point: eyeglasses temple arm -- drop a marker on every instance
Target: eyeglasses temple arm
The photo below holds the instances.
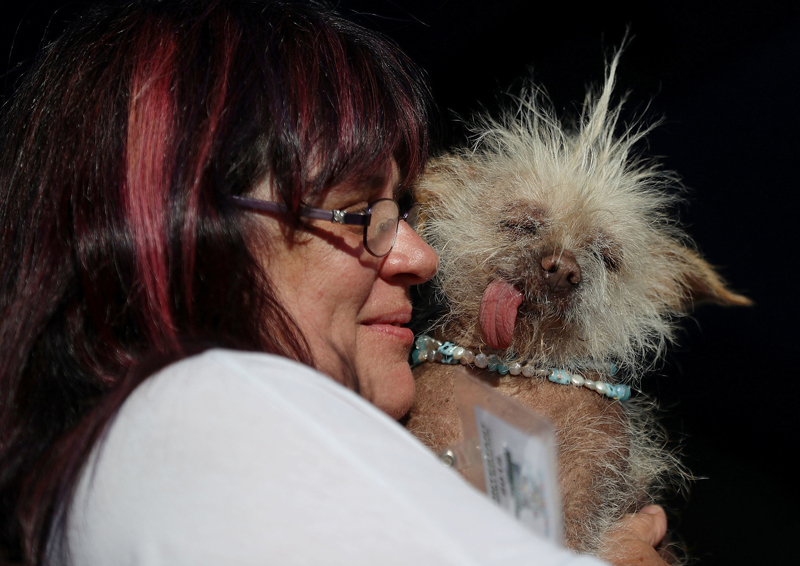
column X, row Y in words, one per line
column 255, row 204
column 337, row 216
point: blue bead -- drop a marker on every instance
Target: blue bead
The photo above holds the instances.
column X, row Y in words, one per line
column 560, row 376
column 447, row 348
column 502, row 369
column 617, row 392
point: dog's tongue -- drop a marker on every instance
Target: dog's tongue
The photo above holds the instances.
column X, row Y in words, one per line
column 499, row 313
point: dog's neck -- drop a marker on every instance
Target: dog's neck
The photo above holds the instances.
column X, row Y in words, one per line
column 429, row 349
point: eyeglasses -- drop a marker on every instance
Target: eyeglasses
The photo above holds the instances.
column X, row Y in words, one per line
column 380, row 221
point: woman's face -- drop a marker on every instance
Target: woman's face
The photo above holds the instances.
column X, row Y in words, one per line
column 350, row 305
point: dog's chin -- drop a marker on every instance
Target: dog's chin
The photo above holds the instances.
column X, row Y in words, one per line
column 551, row 310
column 540, row 335
column 551, row 342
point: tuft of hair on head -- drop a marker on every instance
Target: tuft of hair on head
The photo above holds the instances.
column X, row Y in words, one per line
column 532, row 184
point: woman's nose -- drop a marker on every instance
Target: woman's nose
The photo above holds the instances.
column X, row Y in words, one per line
column 411, row 256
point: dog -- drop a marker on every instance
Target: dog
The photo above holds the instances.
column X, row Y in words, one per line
column 559, row 257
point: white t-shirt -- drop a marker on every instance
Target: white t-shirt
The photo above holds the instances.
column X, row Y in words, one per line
column 234, row 458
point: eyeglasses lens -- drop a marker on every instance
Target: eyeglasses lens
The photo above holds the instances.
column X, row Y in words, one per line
column 382, row 228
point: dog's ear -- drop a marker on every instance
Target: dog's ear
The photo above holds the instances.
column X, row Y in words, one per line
column 697, row 282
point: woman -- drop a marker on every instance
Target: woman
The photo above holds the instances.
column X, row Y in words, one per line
column 160, row 170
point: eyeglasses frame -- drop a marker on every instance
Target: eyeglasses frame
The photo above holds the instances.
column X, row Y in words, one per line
column 336, row 216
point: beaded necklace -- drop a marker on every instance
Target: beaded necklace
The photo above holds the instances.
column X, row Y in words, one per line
column 428, row 349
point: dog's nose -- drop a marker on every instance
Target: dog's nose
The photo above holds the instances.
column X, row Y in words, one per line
column 562, row 271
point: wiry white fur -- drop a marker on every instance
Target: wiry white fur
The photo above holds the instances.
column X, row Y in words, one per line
column 586, row 190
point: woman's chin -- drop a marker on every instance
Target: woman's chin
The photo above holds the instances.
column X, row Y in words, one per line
column 393, row 393
column 384, row 375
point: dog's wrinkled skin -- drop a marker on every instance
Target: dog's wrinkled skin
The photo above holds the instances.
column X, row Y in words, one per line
column 556, row 248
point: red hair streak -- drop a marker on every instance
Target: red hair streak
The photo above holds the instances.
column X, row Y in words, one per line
column 149, row 153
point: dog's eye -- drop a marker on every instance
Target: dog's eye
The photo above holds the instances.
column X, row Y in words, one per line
column 612, row 262
column 609, row 254
column 527, row 227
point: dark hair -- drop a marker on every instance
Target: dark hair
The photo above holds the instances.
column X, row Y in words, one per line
column 117, row 252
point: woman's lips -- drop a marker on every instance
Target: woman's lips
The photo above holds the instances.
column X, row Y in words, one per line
column 399, row 332
column 392, row 326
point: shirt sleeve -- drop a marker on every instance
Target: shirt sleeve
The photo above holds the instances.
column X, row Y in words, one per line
column 231, row 458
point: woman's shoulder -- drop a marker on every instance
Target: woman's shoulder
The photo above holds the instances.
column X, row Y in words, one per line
column 228, row 370
column 227, row 454
column 219, row 384
column 231, row 401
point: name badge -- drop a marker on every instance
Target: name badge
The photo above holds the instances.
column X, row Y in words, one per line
column 509, row 453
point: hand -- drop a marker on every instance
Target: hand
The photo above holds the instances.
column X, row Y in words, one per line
column 634, row 541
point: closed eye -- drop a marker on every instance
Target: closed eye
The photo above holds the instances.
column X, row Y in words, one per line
column 527, row 227
column 611, row 256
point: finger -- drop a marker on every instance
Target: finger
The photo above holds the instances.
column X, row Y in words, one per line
column 635, row 539
column 649, row 525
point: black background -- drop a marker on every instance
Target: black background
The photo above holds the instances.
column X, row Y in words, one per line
column 725, row 76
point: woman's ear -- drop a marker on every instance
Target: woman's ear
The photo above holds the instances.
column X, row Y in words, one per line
column 698, row 282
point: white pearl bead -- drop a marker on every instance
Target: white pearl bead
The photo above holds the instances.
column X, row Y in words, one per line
column 527, row 371
column 589, row 384
column 481, row 361
column 469, row 357
column 458, row 353
column 515, row 369
column 577, row 379
column 422, row 355
column 601, row 387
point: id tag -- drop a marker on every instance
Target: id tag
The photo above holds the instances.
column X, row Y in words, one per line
column 510, row 453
